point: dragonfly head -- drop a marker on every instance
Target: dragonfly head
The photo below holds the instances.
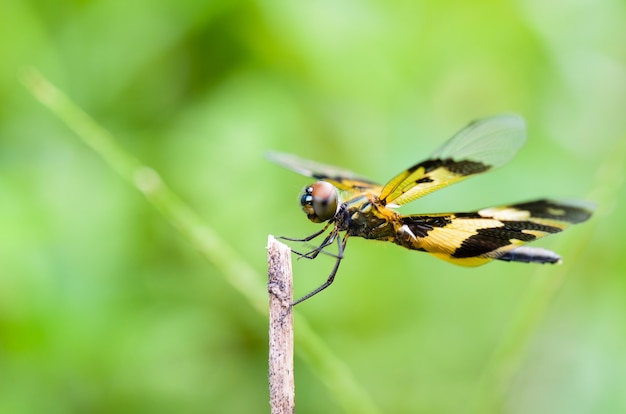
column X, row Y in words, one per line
column 320, row 201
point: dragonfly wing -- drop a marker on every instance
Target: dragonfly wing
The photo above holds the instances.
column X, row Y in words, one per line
column 339, row 177
column 482, row 145
column 475, row 238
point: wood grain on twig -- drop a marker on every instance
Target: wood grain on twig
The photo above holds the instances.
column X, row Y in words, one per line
column 280, row 290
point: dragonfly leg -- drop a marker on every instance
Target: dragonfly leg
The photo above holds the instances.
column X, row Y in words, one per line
column 341, row 245
column 308, row 238
column 309, row 254
column 313, row 253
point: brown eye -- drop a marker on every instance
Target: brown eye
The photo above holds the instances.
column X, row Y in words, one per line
column 319, row 201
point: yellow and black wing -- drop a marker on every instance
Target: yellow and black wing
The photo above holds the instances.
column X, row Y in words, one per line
column 339, row 177
column 475, row 238
column 482, row 145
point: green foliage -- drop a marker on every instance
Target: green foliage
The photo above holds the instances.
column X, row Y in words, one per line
column 107, row 306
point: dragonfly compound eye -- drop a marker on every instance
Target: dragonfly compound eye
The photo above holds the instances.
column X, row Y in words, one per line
column 319, row 201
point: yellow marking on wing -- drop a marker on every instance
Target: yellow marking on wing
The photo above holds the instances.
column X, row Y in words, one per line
column 351, row 184
column 505, row 213
column 556, row 211
column 537, row 233
column 406, row 187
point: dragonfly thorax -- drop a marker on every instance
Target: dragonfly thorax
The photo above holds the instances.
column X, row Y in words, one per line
column 320, row 201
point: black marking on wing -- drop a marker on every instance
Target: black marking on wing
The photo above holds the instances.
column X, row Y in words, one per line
column 421, row 225
column 463, row 167
column 553, row 210
column 424, row 180
column 490, row 239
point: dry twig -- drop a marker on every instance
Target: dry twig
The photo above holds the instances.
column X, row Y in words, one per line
column 280, row 289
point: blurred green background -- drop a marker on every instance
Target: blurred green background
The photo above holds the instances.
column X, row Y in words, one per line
column 106, row 307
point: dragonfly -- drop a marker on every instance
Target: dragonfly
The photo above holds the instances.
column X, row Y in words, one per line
column 354, row 206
